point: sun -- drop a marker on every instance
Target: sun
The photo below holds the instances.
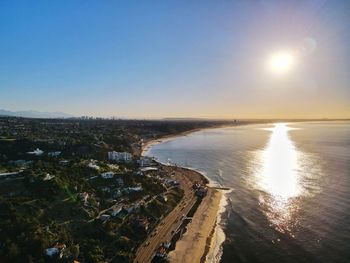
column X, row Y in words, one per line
column 281, row 62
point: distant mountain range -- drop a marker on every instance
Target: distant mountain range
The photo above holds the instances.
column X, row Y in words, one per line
column 35, row 114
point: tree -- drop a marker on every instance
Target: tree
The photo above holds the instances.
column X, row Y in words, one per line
column 75, row 251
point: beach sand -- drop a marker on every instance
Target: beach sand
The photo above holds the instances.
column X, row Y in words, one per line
column 194, row 244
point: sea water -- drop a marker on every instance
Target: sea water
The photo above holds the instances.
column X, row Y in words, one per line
column 290, row 188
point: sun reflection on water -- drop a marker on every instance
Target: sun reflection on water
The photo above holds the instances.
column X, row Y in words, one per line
column 279, row 174
column 279, row 179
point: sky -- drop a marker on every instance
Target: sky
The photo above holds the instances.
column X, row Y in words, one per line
column 155, row 59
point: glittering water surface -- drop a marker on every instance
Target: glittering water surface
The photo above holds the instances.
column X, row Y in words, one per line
column 291, row 188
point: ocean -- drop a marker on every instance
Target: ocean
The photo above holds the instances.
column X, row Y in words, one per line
column 290, row 188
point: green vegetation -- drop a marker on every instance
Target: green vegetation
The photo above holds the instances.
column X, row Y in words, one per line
column 60, row 200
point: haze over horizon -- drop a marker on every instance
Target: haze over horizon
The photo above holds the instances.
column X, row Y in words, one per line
column 181, row 59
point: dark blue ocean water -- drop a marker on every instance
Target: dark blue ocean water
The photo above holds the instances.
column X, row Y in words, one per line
column 290, row 198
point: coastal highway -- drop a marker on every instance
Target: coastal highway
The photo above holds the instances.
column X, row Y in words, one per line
column 163, row 231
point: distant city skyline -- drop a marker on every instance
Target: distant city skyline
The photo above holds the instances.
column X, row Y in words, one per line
column 176, row 59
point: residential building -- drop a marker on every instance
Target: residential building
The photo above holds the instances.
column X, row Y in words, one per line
column 54, row 154
column 119, row 156
column 56, row 250
column 145, row 161
column 93, row 166
column 36, row 152
column 107, row 175
column 135, row 189
column 104, row 217
column 120, row 182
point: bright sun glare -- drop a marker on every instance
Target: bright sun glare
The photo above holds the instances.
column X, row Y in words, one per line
column 281, row 62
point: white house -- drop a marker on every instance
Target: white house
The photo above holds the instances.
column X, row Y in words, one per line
column 119, row 156
column 48, row 177
column 93, row 166
column 36, row 152
column 107, row 175
column 135, row 189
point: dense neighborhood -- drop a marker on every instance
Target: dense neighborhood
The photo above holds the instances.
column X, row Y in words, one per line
column 79, row 189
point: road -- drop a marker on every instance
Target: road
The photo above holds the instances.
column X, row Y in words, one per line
column 163, row 232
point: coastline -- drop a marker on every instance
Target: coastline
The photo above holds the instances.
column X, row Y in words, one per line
column 203, row 237
column 195, row 244
column 150, row 142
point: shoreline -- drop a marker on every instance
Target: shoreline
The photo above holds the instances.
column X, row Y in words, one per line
column 150, row 142
column 197, row 243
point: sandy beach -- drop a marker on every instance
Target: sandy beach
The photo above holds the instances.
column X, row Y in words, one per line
column 195, row 243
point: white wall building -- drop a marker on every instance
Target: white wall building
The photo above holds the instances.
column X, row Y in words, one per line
column 93, row 166
column 119, row 156
column 36, row 152
column 107, row 175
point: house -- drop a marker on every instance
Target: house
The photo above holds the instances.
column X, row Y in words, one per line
column 107, row 175
column 163, row 198
column 64, row 162
column 120, row 182
column 140, row 173
column 36, row 152
column 142, row 222
column 161, row 252
column 147, row 169
column 21, row 162
column 104, row 217
column 85, row 197
column 119, row 156
column 117, row 193
column 117, row 209
column 48, row 177
column 145, row 161
column 135, row 189
column 113, row 166
column 93, row 166
column 54, row 154
column 172, row 183
column 128, row 208
column 56, row 250
column 202, row 191
column 196, row 186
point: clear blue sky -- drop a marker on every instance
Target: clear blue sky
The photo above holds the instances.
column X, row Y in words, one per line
column 174, row 58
